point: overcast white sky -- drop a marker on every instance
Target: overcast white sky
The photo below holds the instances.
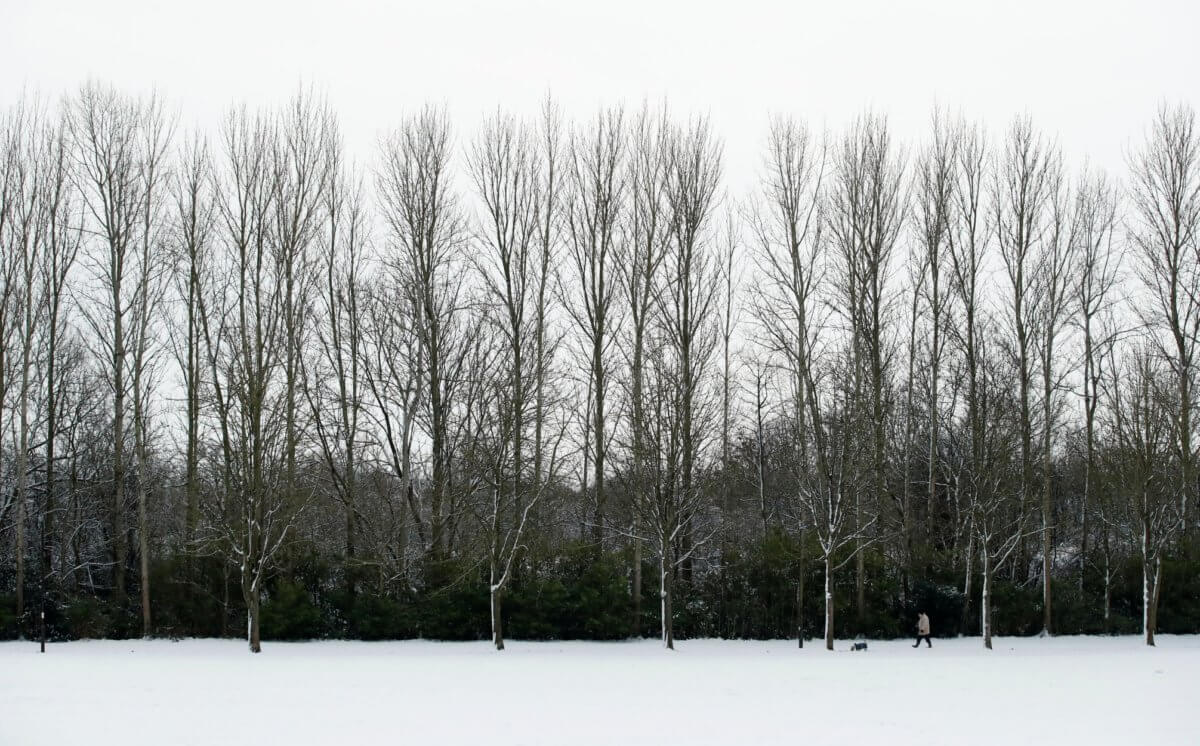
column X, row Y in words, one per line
column 1090, row 72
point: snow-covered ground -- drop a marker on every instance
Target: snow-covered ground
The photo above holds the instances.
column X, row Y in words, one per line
column 1090, row 691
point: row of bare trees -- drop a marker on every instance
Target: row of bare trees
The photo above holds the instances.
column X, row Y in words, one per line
column 227, row 346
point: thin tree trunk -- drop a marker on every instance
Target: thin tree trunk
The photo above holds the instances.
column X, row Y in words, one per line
column 144, row 547
column 828, row 604
column 118, row 431
column 664, row 592
column 192, row 376
column 639, row 476
column 636, row 591
column 931, row 506
column 253, row 614
column 966, row 610
column 1152, row 615
column 985, row 603
column 1047, row 518
column 909, row 425
column 800, row 595
column 497, row 623
column 51, row 427
column 225, row 630
column 19, row 519
column 860, row 568
column 1147, row 591
column 1107, row 585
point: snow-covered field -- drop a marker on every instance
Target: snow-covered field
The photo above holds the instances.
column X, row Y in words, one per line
column 1090, row 691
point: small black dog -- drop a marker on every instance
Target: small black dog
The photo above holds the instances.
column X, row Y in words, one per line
column 859, row 646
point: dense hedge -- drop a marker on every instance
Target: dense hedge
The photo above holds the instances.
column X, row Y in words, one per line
column 582, row 593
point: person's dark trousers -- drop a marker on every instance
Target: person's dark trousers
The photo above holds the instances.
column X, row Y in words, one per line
column 925, row 638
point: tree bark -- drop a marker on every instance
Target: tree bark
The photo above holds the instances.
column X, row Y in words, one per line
column 253, row 613
column 497, row 619
column 985, row 601
column 828, row 603
column 664, row 592
column 800, row 594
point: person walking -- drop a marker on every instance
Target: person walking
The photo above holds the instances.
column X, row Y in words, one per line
column 922, row 630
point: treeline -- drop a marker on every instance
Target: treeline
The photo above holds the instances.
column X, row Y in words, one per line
column 551, row 377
